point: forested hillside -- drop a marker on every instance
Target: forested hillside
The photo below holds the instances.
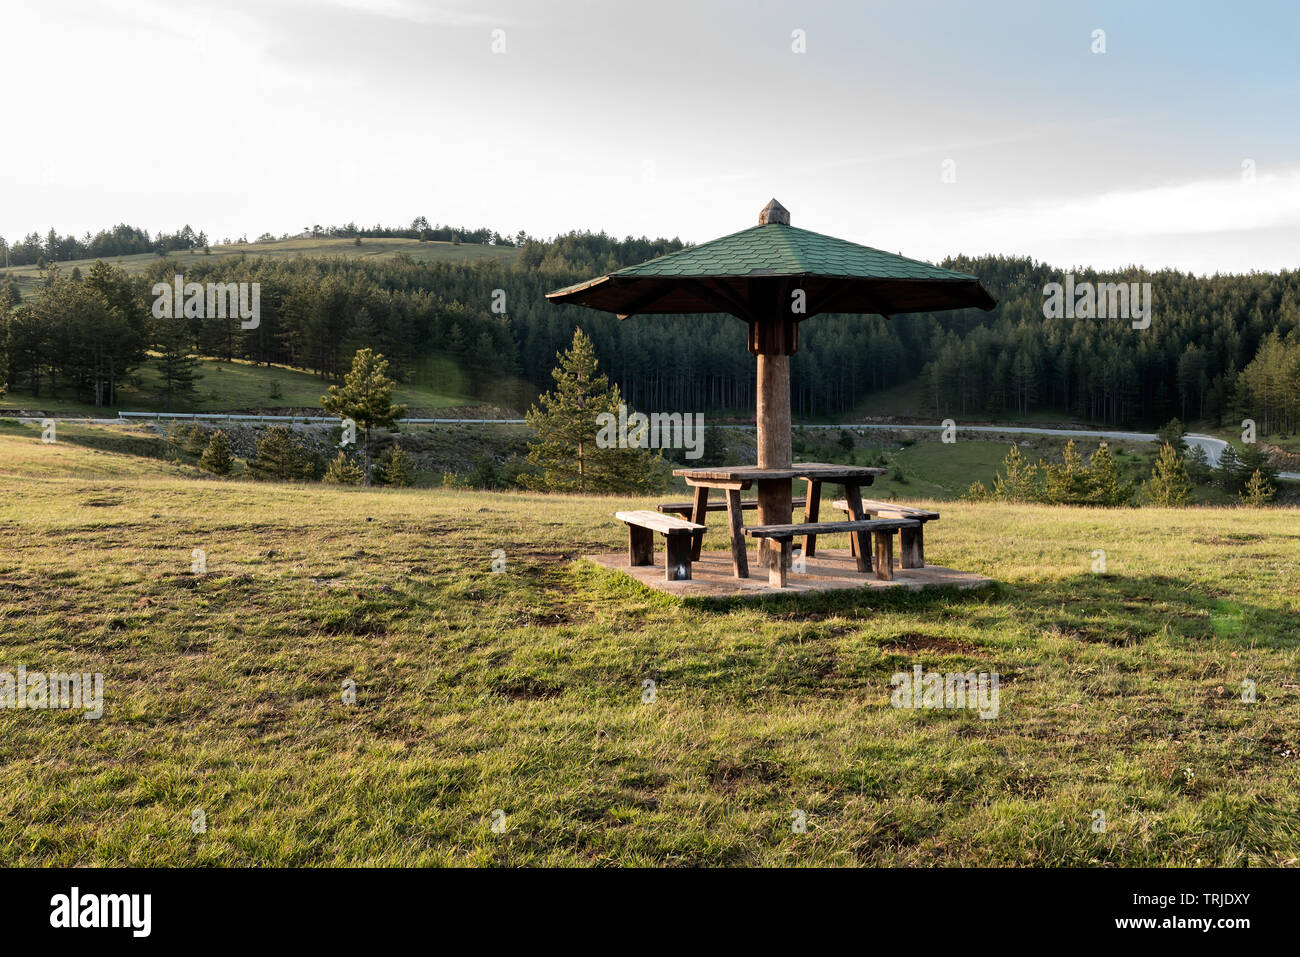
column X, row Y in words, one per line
column 487, row 326
column 124, row 240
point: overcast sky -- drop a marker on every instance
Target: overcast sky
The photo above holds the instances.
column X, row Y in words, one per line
column 669, row 118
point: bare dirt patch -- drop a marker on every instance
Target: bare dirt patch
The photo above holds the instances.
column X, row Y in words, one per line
column 914, row 641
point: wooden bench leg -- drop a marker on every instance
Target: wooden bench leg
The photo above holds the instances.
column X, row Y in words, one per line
column 884, row 556
column 677, row 563
column 776, row 569
column 700, row 516
column 810, row 511
column 735, row 519
column 640, row 545
column 911, row 547
column 862, row 542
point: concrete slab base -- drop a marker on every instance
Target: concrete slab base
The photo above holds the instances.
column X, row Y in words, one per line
column 831, row 569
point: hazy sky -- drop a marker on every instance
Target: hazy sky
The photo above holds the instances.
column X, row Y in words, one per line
column 669, row 118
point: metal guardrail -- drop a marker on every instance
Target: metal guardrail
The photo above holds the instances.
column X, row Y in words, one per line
column 305, row 419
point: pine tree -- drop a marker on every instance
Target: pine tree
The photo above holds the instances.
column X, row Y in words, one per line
column 395, row 468
column 1021, row 482
column 1069, row 483
column 279, row 456
column 1255, row 459
column 177, row 368
column 1198, row 464
column 1259, row 491
column 565, row 450
column 1172, row 433
column 1228, row 472
column 343, row 470
column 366, row 397
column 216, row 457
column 1168, row 486
column 1107, row 487
column 195, row 440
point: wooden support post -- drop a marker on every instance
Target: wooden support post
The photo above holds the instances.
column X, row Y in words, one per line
column 640, row 545
column 862, row 543
column 884, row 555
column 735, row 520
column 700, row 516
column 774, row 413
column 774, row 447
column 774, row 501
column 677, row 565
column 911, row 545
column 776, row 569
column 810, row 511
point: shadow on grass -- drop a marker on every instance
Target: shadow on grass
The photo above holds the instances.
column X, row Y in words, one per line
column 99, row 439
column 1127, row 610
column 1097, row 609
column 845, row 601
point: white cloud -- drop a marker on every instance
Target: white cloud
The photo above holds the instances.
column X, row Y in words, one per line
column 413, row 11
column 1203, row 206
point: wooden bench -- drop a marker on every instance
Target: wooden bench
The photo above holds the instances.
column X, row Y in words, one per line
column 882, row 530
column 698, row 510
column 686, row 508
column 677, row 532
column 911, row 539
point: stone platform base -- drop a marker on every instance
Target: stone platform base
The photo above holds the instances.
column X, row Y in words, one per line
column 831, row 569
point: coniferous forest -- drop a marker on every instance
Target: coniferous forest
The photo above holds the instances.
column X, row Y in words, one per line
column 1216, row 346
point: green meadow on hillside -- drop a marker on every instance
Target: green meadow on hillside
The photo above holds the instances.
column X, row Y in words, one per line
column 28, row 276
column 518, row 698
column 237, row 386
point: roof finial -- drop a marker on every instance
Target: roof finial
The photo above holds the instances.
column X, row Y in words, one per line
column 774, row 212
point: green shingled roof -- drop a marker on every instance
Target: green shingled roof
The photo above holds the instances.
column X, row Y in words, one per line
column 752, row 274
column 778, row 250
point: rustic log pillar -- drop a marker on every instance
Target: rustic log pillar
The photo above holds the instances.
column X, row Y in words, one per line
column 773, row 338
column 775, row 499
column 774, row 414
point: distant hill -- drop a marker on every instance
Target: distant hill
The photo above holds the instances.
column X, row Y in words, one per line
column 28, row 276
column 238, row 386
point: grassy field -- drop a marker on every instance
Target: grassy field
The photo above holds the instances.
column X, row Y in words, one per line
column 909, row 400
column 29, row 276
column 236, row 386
column 522, row 692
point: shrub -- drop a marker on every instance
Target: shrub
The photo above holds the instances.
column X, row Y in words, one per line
column 514, row 472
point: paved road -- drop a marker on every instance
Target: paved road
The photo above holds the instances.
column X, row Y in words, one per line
column 1213, row 447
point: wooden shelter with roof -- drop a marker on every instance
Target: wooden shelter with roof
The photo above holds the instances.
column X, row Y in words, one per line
column 774, row 276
